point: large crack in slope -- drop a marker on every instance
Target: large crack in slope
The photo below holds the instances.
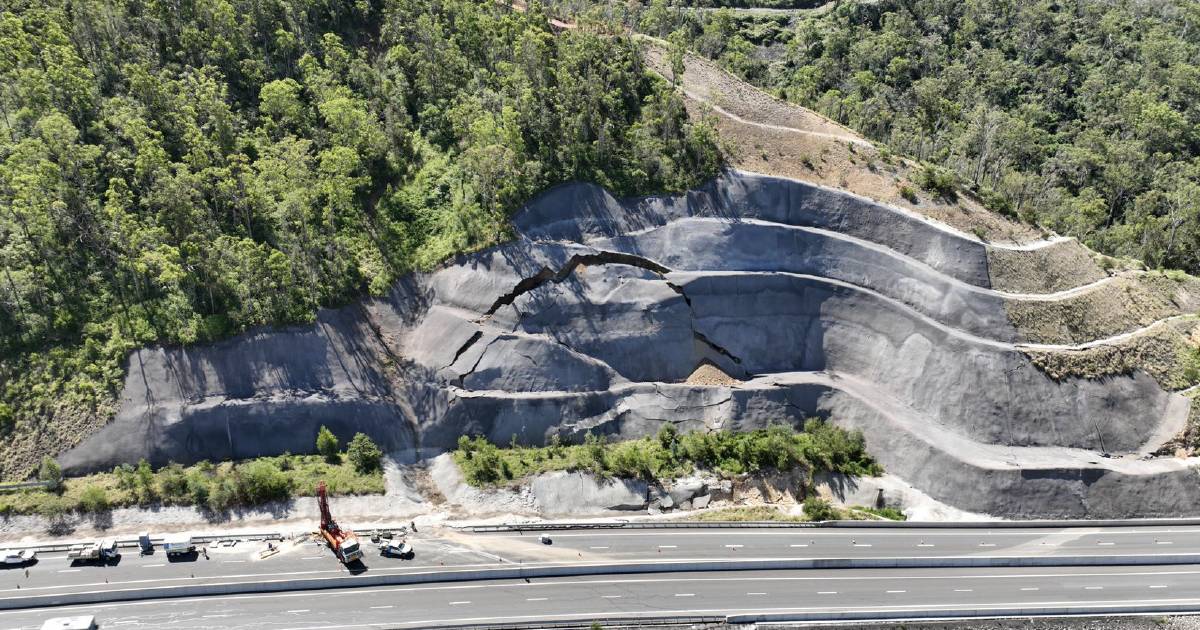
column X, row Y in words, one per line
column 600, row 257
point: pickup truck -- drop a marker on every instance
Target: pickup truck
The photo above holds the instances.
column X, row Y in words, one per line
column 178, row 544
column 18, row 556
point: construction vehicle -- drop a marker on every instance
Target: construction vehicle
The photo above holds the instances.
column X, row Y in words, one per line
column 343, row 542
column 18, row 557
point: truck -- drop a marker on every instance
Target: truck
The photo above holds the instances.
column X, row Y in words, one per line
column 82, row 622
column 178, row 545
column 98, row 550
column 343, row 542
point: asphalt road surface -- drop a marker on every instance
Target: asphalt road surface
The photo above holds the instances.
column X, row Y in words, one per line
column 447, row 550
column 944, row 590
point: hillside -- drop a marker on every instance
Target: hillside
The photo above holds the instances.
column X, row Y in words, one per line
column 995, row 367
column 181, row 175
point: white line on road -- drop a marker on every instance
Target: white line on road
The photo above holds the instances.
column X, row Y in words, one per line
column 151, row 566
column 1029, row 588
column 459, row 603
column 862, row 544
column 1093, row 588
column 535, row 599
column 1163, row 542
column 964, row 590
column 668, row 546
column 826, row 592
column 597, row 547
column 983, row 544
column 1158, row 586
column 70, row 570
column 685, row 594
column 1106, row 544
column 925, row 545
column 382, row 607
column 797, row 545
column 611, row 596
column 756, row 593
column 312, row 557
column 735, row 546
column 299, row 610
column 897, row 591
column 232, row 561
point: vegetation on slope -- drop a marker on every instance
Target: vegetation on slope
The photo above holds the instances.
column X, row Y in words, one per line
column 820, row 446
column 213, row 487
column 182, row 172
column 1079, row 115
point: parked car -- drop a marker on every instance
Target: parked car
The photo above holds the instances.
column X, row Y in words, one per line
column 396, row 549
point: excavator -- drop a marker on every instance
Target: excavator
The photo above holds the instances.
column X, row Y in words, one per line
column 343, row 542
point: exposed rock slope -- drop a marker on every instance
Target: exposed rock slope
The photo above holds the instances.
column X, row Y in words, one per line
column 817, row 302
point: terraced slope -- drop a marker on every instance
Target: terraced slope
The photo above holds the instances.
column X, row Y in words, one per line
column 819, row 302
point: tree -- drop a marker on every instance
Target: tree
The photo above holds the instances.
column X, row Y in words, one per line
column 327, row 444
column 817, row 509
column 364, row 454
column 93, row 499
column 51, row 473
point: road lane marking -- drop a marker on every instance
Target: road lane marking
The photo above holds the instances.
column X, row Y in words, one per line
column 535, row 599
column 151, row 566
column 611, row 596
column 668, row 546
column 312, row 557
column 70, row 570
column 685, row 594
column 1106, row 543
column 862, row 544
column 925, row 545
column 797, row 545
column 597, row 547
column 897, row 591
column 986, row 544
column 459, row 603
column 299, row 610
column 1163, row 542
column 826, row 592
column 1158, row 586
column 964, row 590
column 381, row 607
column 735, row 546
column 232, row 561
column 756, row 593
column 1093, row 588
column 1029, row 588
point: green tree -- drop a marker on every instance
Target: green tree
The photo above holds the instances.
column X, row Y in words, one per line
column 364, row 454
column 327, row 444
column 51, row 474
column 93, row 499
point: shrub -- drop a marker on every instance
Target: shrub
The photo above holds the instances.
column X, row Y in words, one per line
column 327, row 444
column 93, row 499
column 364, row 454
column 817, row 509
column 909, row 194
column 938, row 181
column 51, row 473
column 173, row 483
column 261, row 481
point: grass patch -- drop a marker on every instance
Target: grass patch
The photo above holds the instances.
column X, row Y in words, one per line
column 824, row 512
column 820, row 446
column 746, row 513
column 215, row 487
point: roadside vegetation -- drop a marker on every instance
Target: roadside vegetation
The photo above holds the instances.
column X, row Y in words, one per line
column 181, row 173
column 815, row 509
column 819, row 447
column 215, row 487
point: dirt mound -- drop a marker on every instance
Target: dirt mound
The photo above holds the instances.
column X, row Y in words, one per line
column 710, row 375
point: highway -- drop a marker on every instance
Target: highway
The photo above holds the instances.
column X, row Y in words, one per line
column 733, row 592
column 909, row 591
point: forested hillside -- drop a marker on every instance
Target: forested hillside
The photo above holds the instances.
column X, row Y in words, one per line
column 1079, row 115
column 181, row 171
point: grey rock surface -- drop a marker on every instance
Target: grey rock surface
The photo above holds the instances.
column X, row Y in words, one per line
column 563, row 492
column 823, row 304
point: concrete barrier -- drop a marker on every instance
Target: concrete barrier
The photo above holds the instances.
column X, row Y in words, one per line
column 977, row 612
column 552, row 571
column 884, row 524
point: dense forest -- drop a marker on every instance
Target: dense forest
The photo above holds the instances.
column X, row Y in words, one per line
column 180, row 171
column 1078, row 115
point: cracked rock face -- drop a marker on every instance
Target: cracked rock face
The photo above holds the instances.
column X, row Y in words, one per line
column 821, row 303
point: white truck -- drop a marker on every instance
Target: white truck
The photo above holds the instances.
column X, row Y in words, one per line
column 82, row 622
column 99, row 550
column 178, row 545
column 18, row 556
column 398, row 548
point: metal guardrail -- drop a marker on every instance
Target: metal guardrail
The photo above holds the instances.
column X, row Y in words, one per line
column 884, row 524
column 606, row 622
column 22, row 485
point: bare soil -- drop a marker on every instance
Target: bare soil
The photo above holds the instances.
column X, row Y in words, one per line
column 710, row 375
